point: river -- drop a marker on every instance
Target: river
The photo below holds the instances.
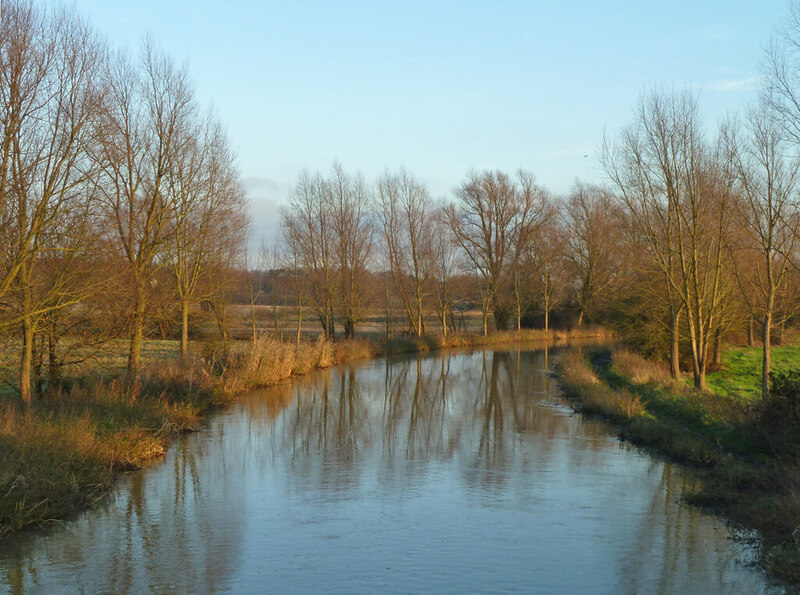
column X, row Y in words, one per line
column 452, row 472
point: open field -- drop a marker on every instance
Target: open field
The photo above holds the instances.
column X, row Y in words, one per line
column 741, row 373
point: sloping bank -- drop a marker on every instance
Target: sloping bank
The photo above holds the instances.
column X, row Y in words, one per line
column 64, row 452
column 745, row 456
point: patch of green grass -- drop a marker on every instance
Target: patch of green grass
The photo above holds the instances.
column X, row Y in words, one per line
column 740, row 377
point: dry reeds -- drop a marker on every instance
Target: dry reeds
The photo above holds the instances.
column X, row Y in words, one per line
column 593, row 396
column 637, row 369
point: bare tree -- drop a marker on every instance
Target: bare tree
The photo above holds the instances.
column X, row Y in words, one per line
column 405, row 211
column 593, row 233
column 50, row 95
column 492, row 216
column 148, row 110
column 329, row 224
column 676, row 195
column 207, row 211
column 445, row 265
column 293, row 255
column 350, row 209
column 530, row 222
column 766, row 183
column 545, row 263
column 309, row 228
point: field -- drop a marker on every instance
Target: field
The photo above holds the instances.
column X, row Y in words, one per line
column 740, row 376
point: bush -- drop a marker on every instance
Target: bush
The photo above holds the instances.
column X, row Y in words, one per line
column 778, row 416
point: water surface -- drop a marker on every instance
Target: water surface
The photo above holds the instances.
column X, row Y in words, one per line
column 448, row 473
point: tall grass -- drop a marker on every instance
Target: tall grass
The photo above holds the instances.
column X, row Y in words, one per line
column 266, row 361
column 639, row 370
column 592, row 396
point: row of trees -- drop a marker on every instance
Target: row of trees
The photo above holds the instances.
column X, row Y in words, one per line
column 692, row 238
column 110, row 177
column 694, row 235
column 505, row 245
column 116, row 189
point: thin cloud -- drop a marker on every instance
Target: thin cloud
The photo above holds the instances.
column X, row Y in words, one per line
column 735, row 85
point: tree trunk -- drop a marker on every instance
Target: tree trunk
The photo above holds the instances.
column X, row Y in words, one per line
column 349, row 328
column 501, row 316
column 53, row 366
column 750, row 337
column 718, row 347
column 38, row 364
column 26, row 360
column 184, row 330
column 299, row 320
column 137, row 334
column 222, row 322
column 675, row 344
column 766, row 362
column 580, row 319
column 700, row 378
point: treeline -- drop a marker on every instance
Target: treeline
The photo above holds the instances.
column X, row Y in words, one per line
column 504, row 245
column 115, row 187
column 693, row 236
column 120, row 206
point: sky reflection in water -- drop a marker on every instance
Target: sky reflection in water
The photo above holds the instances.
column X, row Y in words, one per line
column 459, row 472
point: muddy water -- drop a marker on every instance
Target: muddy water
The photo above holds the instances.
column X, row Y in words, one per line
column 460, row 472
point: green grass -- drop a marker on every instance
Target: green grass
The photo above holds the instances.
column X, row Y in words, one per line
column 740, row 377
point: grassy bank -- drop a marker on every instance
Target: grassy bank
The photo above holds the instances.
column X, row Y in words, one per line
column 747, row 465
column 64, row 452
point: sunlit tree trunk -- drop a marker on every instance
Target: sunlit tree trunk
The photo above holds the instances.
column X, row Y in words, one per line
column 137, row 334
column 675, row 343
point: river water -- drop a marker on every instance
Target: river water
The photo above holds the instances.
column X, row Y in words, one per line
column 445, row 473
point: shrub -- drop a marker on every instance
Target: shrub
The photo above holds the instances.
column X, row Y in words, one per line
column 778, row 415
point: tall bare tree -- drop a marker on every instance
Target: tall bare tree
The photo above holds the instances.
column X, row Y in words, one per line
column 50, row 93
column 406, row 215
column 350, row 202
column 207, row 213
column 545, row 264
column 593, row 233
column 148, row 110
column 309, row 228
column 766, row 177
column 676, row 194
column 492, row 215
column 445, row 266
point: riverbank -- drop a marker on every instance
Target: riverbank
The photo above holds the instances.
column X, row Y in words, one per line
column 64, row 452
column 742, row 450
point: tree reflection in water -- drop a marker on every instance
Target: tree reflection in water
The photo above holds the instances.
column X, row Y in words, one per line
column 452, row 471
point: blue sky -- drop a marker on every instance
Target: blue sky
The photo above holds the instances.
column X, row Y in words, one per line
column 442, row 87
